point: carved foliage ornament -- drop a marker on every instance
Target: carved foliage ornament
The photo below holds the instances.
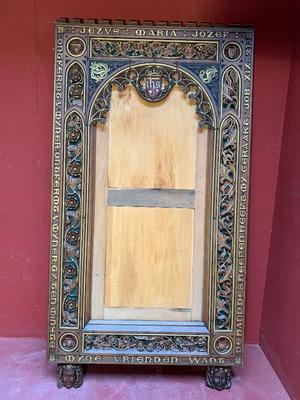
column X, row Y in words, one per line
column 99, row 71
column 74, row 131
column 146, row 343
column 231, row 90
column 153, row 49
column 75, row 86
column 153, row 83
column 226, row 219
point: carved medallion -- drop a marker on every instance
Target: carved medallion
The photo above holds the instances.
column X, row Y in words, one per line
column 76, row 47
column 68, row 342
column 223, row 345
column 232, row 51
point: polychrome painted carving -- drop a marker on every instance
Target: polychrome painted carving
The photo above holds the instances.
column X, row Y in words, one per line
column 213, row 68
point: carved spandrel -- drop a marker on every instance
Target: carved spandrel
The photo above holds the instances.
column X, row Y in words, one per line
column 154, row 82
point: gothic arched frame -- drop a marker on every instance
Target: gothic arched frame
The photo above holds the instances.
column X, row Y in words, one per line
column 203, row 54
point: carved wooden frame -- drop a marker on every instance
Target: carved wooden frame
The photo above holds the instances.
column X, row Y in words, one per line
column 214, row 66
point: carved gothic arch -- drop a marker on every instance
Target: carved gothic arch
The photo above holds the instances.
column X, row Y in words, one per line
column 172, row 75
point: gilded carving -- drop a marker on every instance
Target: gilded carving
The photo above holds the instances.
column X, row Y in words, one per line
column 208, row 74
column 232, row 51
column 76, row 47
column 152, row 49
column 153, row 83
column 187, row 56
column 75, row 85
column 68, row 342
column 146, row 343
column 222, row 345
column 226, row 220
column 70, row 277
column 231, row 88
column 99, row 71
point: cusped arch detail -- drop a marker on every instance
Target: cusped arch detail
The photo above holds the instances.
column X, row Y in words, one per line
column 231, row 90
column 169, row 76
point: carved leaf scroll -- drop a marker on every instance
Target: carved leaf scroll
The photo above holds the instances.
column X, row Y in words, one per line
column 231, row 90
column 146, row 343
column 73, row 187
column 152, row 49
column 75, row 86
column 226, row 219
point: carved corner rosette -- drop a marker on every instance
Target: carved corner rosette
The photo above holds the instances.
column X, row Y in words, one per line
column 146, row 343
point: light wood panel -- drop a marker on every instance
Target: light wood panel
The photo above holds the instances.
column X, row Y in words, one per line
column 148, row 257
column 152, row 145
column 99, row 231
column 145, row 313
column 200, row 223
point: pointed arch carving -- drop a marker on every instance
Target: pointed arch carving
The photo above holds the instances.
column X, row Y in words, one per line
column 231, row 90
column 75, row 82
column 169, row 75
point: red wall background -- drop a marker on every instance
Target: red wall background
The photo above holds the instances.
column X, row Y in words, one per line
column 25, row 148
column 281, row 322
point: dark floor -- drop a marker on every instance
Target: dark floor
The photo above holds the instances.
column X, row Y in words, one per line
column 25, row 375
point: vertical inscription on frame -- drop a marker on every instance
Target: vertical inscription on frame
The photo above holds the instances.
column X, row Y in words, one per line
column 241, row 248
column 56, row 194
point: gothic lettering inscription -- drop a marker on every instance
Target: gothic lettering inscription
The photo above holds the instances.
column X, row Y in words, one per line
column 56, row 194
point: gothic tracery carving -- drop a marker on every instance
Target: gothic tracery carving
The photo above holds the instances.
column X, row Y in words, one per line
column 169, row 77
column 231, row 90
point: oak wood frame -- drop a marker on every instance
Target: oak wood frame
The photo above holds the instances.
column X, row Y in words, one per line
column 225, row 76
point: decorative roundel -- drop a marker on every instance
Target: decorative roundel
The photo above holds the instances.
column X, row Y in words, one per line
column 232, row 51
column 68, row 342
column 76, row 47
column 223, row 345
